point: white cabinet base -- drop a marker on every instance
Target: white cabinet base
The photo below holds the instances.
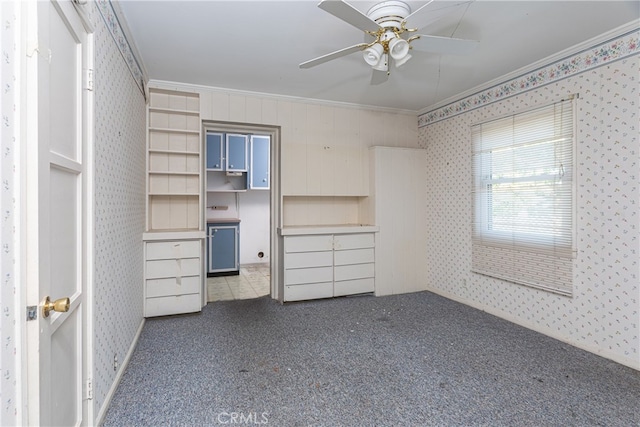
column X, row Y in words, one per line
column 352, row 287
column 328, row 265
column 308, row 291
column 173, row 276
column 176, row 304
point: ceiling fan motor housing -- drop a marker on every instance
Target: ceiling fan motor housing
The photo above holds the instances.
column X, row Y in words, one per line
column 389, row 14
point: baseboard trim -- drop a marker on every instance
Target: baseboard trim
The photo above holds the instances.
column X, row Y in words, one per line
column 631, row 363
column 116, row 381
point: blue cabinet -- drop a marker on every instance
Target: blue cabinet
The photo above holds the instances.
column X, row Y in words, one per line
column 223, row 247
column 214, row 151
column 259, row 169
column 236, row 150
column 227, row 152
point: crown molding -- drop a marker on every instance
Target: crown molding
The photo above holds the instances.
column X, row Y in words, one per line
column 188, row 87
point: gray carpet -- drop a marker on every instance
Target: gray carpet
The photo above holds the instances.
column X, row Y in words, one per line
column 407, row 360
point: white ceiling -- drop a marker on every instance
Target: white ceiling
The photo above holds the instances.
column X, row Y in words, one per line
column 257, row 46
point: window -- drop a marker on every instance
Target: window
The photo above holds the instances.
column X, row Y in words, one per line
column 523, row 225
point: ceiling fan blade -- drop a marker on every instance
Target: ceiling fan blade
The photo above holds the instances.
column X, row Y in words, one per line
column 431, row 12
column 349, row 14
column 333, row 55
column 379, row 76
column 438, row 44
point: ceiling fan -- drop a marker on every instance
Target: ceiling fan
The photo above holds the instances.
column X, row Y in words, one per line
column 392, row 28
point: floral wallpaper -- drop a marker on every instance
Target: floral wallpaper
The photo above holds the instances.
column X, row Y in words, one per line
column 110, row 19
column 9, row 324
column 603, row 314
column 119, row 206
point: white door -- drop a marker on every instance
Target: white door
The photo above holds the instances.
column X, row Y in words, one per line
column 56, row 215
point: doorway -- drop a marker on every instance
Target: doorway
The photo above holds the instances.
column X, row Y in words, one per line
column 237, row 203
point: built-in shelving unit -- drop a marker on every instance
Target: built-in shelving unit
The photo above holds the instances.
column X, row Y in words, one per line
column 174, row 162
column 174, row 241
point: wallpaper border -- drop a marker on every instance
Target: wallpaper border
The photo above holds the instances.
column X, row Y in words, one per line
column 105, row 8
column 614, row 49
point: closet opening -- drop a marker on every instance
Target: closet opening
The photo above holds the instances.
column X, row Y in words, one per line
column 241, row 209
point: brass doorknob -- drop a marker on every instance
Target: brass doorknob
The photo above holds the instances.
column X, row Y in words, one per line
column 61, row 305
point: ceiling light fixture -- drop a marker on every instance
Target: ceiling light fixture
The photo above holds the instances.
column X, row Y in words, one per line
column 373, row 54
column 389, row 15
column 398, row 48
column 383, row 63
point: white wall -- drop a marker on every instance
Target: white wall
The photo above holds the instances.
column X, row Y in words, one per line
column 254, row 226
column 602, row 316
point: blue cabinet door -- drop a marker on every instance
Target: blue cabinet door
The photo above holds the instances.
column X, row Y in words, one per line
column 214, row 151
column 223, row 248
column 259, row 169
column 236, row 160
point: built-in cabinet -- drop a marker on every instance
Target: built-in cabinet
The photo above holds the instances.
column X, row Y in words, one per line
column 260, row 163
column 325, row 170
column 397, row 207
column 226, row 152
column 237, row 162
column 173, row 241
column 173, row 276
column 223, row 247
column 319, row 263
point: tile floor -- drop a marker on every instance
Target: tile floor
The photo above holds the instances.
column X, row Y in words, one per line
column 252, row 282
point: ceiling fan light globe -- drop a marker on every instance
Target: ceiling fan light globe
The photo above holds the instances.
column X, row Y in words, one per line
column 400, row 62
column 383, row 63
column 399, row 48
column 373, row 54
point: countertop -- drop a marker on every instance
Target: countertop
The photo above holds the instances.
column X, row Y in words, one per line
column 178, row 234
column 222, row 220
column 327, row 229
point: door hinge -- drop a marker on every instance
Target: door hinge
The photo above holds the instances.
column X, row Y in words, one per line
column 89, row 389
column 88, row 79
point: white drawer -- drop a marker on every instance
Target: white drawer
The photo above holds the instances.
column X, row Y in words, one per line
column 173, row 268
column 322, row 242
column 308, row 259
column 308, row 275
column 312, row 291
column 354, row 241
column 355, row 271
column 354, row 256
column 357, row 286
column 173, row 286
column 173, row 250
column 164, row 306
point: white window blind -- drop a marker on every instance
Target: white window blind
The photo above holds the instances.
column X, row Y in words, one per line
column 523, row 213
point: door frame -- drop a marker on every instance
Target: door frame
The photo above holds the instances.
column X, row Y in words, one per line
column 275, row 196
column 34, row 45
